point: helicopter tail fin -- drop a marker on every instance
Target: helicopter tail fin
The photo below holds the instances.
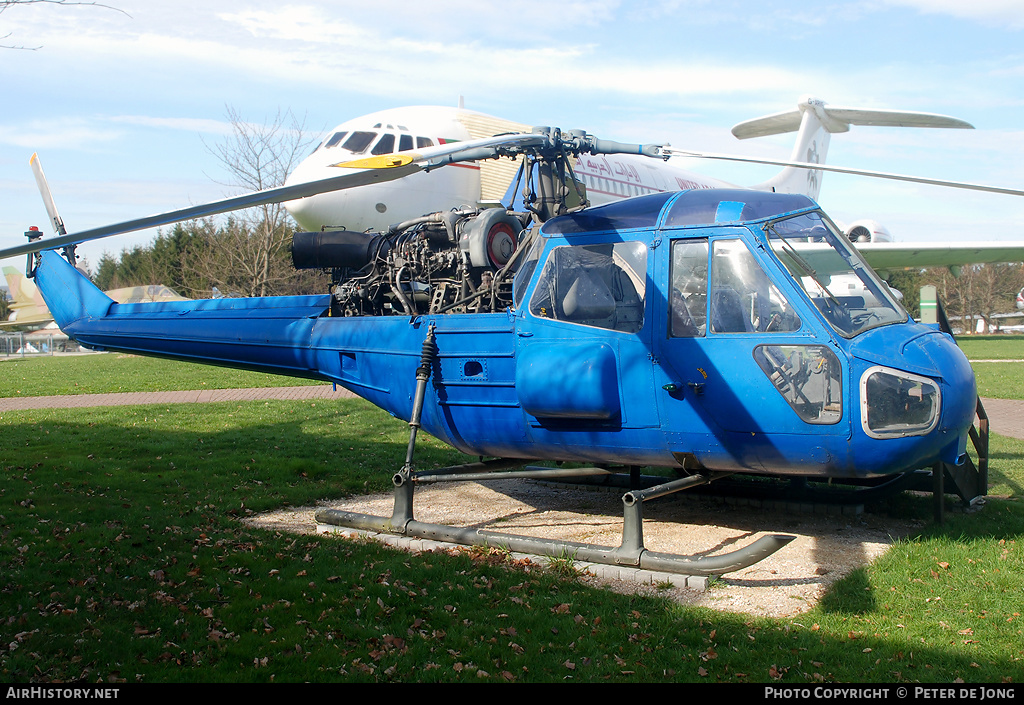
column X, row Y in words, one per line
column 69, row 294
column 815, row 122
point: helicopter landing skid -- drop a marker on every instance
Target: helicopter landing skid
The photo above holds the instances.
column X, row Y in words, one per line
column 630, row 553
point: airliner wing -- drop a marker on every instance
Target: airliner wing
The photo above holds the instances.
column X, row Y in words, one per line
column 903, row 255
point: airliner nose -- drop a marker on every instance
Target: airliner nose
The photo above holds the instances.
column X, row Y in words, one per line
column 305, row 210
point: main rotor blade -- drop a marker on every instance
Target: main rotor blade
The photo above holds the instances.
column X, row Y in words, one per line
column 669, row 151
column 257, row 198
column 370, row 170
column 434, row 157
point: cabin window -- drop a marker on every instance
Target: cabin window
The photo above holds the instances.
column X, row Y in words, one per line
column 385, row 146
column 525, row 272
column 359, row 141
column 594, row 285
column 743, row 299
column 808, row 377
column 688, row 305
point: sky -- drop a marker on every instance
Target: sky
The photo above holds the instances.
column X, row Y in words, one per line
column 125, row 102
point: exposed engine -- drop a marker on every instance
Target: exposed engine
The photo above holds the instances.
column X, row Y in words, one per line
column 454, row 261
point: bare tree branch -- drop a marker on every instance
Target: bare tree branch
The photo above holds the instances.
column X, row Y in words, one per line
column 258, row 157
column 7, row 4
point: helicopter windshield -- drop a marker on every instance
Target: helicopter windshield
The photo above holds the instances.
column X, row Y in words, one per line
column 833, row 274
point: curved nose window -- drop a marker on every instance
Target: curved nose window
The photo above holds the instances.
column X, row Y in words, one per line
column 896, row 403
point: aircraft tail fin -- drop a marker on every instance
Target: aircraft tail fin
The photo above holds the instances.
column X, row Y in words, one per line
column 815, row 122
column 27, row 306
column 20, row 288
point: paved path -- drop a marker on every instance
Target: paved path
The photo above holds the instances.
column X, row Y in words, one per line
column 73, row 401
column 1006, row 416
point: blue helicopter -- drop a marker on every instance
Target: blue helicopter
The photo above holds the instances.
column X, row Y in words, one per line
column 710, row 331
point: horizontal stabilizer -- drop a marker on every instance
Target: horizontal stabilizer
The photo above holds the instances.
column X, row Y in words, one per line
column 837, row 119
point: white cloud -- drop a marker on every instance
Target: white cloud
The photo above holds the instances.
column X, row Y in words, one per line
column 57, row 133
column 1002, row 13
column 217, row 127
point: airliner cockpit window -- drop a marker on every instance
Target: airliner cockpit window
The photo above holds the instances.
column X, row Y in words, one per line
column 422, row 142
column 836, row 278
column 359, row 141
column 334, row 140
column 594, row 285
column 404, row 143
column 385, row 146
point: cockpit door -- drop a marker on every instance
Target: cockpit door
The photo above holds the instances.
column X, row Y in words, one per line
column 746, row 370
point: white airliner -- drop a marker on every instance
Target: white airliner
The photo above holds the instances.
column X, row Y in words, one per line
column 607, row 177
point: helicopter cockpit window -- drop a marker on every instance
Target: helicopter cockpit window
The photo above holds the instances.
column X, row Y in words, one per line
column 386, row 145
column 743, row 299
column 359, row 141
column 844, row 288
column 594, row 285
column 808, row 377
column 688, row 306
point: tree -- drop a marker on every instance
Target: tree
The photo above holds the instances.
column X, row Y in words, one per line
column 908, row 283
column 977, row 291
column 258, row 157
column 5, row 308
column 249, row 253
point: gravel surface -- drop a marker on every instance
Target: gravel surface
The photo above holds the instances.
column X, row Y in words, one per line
column 826, row 547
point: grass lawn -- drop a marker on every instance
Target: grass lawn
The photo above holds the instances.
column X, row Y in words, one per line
column 999, row 380
column 104, row 373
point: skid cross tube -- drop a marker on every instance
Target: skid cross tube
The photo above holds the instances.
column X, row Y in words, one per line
column 630, row 553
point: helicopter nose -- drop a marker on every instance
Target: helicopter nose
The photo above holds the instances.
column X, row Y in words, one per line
column 922, row 391
column 955, row 377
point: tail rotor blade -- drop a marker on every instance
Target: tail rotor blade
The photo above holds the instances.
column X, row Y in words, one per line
column 44, row 191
